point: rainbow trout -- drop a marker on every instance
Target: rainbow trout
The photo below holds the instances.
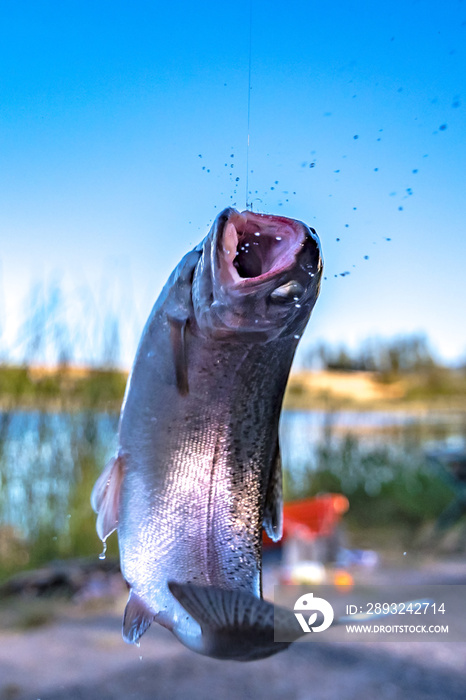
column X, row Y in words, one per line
column 197, row 475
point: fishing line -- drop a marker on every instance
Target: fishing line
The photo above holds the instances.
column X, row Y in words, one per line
column 249, row 106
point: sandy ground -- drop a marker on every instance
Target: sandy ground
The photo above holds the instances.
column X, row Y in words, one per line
column 86, row 659
column 80, row 655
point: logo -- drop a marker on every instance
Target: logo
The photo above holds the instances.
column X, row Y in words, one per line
column 308, row 604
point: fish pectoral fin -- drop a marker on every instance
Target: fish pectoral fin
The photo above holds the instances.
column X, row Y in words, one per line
column 236, row 624
column 105, row 497
column 273, row 512
column 137, row 619
column 178, row 326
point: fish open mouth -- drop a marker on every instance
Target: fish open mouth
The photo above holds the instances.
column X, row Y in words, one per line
column 259, row 245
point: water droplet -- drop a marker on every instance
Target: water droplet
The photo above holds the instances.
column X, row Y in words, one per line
column 278, row 238
column 404, row 554
column 442, row 127
column 257, row 233
column 355, row 137
column 298, row 306
column 103, row 552
column 297, row 337
column 366, row 257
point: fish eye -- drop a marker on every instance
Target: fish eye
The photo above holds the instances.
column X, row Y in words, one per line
column 291, row 291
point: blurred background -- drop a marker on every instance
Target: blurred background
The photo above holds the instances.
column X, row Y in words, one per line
column 124, row 131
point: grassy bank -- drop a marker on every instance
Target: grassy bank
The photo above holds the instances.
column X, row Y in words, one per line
column 441, row 389
column 391, row 490
column 62, row 388
column 103, row 389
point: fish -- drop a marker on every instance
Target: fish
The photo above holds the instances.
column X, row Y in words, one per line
column 197, row 474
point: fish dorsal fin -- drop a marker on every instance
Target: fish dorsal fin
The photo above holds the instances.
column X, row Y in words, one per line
column 273, row 512
column 178, row 326
column 236, row 624
column 137, row 619
column 105, row 497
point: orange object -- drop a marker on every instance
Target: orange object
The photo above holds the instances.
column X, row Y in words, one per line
column 343, row 579
column 311, row 517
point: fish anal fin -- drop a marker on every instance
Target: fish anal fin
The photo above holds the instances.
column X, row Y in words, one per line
column 106, row 496
column 235, row 624
column 178, row 342
column 273, row 511
column 137, row 619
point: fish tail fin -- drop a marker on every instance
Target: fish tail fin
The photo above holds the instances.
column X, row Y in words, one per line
column 105, row 497
column 236, row 624
column 137, row 619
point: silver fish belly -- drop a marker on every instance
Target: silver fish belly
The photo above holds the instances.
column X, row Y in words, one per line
column 197, row 475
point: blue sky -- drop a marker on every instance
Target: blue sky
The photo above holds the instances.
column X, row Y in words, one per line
column 119, row 124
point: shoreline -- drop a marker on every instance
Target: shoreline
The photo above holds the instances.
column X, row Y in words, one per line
column 74, row 389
